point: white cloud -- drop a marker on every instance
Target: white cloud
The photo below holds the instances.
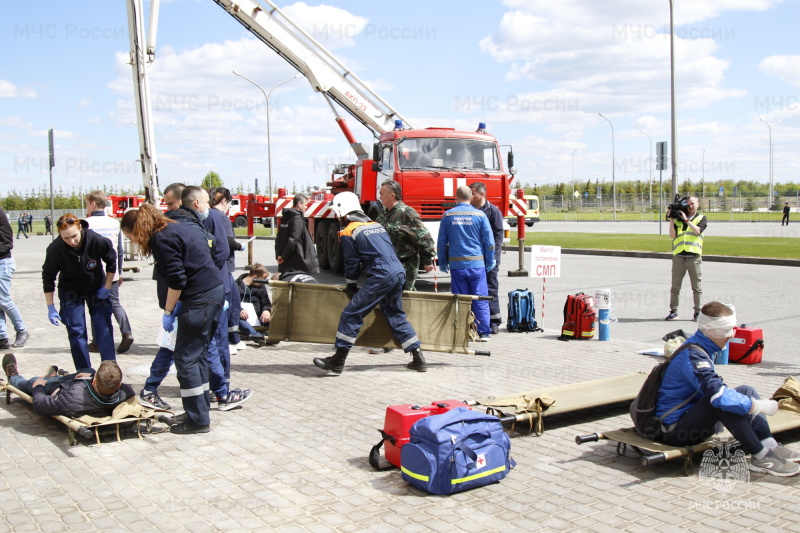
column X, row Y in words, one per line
column 11, row 90
column 785, row 67
column 83, row 104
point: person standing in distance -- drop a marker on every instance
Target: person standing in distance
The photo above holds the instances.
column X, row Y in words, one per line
column 96, row 202
column 786, row 211
column 466, row 250
column 294, row 248
column 687, row 255
column 495, row 217
column 411, row 239
column 9, row 310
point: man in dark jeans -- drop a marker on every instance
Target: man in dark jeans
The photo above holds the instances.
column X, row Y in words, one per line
column 84, row 393
column 786, row 211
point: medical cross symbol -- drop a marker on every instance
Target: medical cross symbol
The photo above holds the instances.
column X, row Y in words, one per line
column 481, row 461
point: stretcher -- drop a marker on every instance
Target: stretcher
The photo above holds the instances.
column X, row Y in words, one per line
column 309, row 312
column 655, row 452
column 533, row 406
column 87, row 427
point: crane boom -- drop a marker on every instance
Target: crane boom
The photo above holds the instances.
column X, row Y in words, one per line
column 141, row 55
column 321, row 68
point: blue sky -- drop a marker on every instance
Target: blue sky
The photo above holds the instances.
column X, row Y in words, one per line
column 538, row 72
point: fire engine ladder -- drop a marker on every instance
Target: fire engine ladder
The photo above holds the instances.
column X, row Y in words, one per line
column 323, row 70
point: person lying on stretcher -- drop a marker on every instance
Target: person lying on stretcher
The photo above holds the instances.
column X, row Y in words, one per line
column 84, row 393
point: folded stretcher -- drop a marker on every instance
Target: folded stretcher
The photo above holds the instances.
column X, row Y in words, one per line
column 309, row 312
column 654, row 452
column 533, row 406
column 129, row 412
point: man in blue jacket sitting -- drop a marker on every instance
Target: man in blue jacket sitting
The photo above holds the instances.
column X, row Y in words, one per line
column 690, row 375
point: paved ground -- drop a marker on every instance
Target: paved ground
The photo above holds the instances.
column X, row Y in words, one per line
column 294, row 457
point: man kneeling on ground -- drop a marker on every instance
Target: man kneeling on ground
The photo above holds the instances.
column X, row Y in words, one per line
column 691, row 375
column 84, row 393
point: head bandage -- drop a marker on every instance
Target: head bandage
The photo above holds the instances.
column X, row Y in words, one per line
column 720, row 327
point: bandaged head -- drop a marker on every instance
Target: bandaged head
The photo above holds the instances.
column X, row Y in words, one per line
column 719, row 327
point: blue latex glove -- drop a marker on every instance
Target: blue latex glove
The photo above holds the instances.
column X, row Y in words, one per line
column 103, row 293
column 490, row 268
column 52, row 314
column 444, row 268
column 168, row 322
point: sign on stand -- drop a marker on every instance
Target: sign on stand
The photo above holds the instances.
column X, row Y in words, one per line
column 545, row 262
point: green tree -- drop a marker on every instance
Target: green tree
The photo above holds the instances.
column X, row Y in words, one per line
column 211, row 181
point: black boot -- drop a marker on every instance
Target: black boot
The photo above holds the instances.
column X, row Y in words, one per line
column 335, row 363
column 418, row 362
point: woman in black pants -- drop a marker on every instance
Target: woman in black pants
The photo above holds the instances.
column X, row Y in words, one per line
column 191, row 290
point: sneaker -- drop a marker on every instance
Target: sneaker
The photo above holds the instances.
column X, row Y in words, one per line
column 235, row 398
column 232, row 349
column 376, row 351
column 495, row 329
column 93, row 347
column 484, row 337
column 787, row 454
column 672, row 316
column 22, row 338
column 125, row 344
column 187, row 428
column 4, row 344
column 694, row 318
column 51, row 372
column 241, row 345
column 774, row 464
column 152, row 400
column 10, row 365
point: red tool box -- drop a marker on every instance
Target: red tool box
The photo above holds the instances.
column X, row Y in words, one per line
column 746, row 346
column 398, row 422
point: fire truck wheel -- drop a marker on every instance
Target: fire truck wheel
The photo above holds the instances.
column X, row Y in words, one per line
column 335, row 254
column 240, row 221
column 321, row 241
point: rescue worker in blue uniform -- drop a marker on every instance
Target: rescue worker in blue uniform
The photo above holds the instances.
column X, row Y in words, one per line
column 693, row 398
column 190, row 287
column 495, row 217
column 466, row 250
column 367, row 249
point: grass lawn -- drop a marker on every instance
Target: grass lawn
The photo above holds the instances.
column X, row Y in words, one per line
column 774, row 247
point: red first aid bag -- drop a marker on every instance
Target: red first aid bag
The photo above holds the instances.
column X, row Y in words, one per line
column 746, row 346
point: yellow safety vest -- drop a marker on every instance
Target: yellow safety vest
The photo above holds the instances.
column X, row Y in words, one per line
column 686, row 240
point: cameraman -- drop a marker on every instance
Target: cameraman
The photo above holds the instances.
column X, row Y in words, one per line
column 686, row 229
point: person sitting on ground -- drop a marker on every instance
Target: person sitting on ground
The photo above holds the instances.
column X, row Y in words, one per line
column 691, row 375
column 84, row 393
column 257, row 295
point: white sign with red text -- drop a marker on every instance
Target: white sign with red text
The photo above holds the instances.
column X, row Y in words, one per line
column 545, row 261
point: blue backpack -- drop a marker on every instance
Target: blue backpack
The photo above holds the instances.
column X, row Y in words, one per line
column 521, row 312
column 456, row 451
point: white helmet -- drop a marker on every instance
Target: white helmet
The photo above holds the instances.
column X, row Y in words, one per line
column 345, row 203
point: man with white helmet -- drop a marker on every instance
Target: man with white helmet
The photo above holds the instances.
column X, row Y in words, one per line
column 693, row 399
column 367, row 249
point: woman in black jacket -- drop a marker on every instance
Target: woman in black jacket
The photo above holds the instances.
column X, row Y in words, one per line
column 85, row 263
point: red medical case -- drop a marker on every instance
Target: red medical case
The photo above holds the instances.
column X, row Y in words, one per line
column 400, row 418
column 746, row 346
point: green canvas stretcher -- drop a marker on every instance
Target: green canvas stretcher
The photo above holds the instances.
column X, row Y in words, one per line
column 87, row 427
column 654, row 452
column 533, row 406
column 309, row 312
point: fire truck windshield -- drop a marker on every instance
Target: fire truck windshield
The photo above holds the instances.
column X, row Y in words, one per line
column 461, row 154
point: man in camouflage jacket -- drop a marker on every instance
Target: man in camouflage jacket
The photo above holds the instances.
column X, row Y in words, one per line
column 411, row 239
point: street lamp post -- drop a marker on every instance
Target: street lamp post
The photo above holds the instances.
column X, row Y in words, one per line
column 703, row 179
column 613, row 169
column 674, row 119
column 771, row 192
column 269, row 146
column 573, row 172
column 650, row 194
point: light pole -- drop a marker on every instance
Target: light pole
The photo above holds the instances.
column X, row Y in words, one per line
column 771, row 193
column 269, row 147
column 674, row 119
column 573, row 171
column 613, row 169
column 703, row 179
column 651, row 167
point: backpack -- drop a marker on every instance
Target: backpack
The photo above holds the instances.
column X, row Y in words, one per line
column 643, row 407
column 456, row 451
column 579, row 317
column 521, row 311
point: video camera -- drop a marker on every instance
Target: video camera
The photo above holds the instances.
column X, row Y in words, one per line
column 680, row 204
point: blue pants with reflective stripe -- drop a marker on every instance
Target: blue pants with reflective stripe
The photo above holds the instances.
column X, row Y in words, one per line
column 473, row 281
column 495, row 316
column 386, row 289
column 219, row 357
column 196, row 324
